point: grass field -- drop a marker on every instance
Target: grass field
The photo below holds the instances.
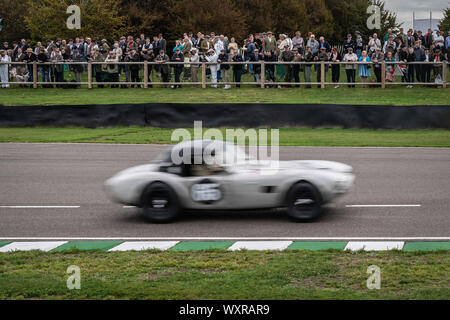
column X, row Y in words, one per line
column 288, row 137
column 398, row 96
column 225, row 275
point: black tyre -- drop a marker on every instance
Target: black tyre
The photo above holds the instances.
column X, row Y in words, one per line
column 304, row 202
column 160, row 203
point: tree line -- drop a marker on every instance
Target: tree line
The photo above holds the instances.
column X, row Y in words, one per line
column 38, row 20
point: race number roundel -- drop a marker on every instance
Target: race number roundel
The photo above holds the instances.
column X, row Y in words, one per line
column 206, row 191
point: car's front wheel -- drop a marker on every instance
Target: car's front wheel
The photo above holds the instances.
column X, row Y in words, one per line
column 160, row 203
column 304, row 202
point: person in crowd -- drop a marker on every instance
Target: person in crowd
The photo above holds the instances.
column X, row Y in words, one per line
column 298, row 42
column 98, row 68
column 349, row 43
column 314, row 45
column 237, row 68
column 350, row 69
column 58, row 66
column 309, row 57
column 297, row 68
column 403, row 57
column 112, row 69
column 232, row 47
column 427, row 68
column 42, row 58
column 447, row 46
column 374, row 43
column 162, row 58
column 21, row 70
column 287, row 56
column 256, row 57
column 270, row 68
column 78, row 69
column 177, row 68
column 186, row 48
column 388, row 35
column 212, row 57
column 364, row 69
column 439, row 40
column 429, row 39
column 401, row 36
column 359, row 46
column 162, row 42
column 193, row 58
column 37, row 50
column 269, row 43
column 390, row 46
column 117, row 49
column 285, row 41
column 438, row 56
column 323, row 56
column 4, row 68
column 148, row 55
column 377, row 58
column 134, row 68
column 390, row 68
column 335, row 68
column 411, row 67
column 324, row 44
column 419, row 56
column 225, row 68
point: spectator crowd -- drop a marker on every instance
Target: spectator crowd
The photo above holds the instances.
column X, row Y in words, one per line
column 217, row 50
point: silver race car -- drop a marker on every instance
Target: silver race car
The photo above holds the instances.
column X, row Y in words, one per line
column 216, row 175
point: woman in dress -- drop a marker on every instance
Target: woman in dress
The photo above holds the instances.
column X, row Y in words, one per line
column 364, row 69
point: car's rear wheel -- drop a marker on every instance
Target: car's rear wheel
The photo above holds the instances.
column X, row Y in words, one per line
column 160, row 203
column 304, row 202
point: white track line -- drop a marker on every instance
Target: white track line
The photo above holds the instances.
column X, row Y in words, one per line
column 39, row 207
column 383, row 206
column 27, row 246
column 144, row 245
column 226, row 238
column 260, row 245
column 374, row 245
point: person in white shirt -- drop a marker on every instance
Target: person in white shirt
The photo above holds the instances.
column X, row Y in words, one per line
column 439, row 39
column 4, row 68
column 350, row 69
column 374, row 43
column 211, row 56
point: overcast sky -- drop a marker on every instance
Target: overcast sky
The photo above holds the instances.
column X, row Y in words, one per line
column 405, row 8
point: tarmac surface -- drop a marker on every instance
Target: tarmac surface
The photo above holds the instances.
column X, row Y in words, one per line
column 56, row 191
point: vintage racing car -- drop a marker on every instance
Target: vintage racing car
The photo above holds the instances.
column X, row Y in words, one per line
column 217, row 175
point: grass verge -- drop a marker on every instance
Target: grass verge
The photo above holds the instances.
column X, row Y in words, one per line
column 288, row 137
column 218, row 274
column 398, row 96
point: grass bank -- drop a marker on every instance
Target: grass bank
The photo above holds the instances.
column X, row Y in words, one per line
column 225, row 275
column 398, row 96
column 288, row 137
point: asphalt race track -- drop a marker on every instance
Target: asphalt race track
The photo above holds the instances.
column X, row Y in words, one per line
column 399, row 192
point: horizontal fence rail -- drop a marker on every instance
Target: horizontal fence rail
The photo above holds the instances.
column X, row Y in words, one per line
column 265, row 67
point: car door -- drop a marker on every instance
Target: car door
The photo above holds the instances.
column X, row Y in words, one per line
column 253, row 187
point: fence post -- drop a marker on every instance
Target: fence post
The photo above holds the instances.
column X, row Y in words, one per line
column 89, row 75
column 35, row 75
column 146, row 74
column 203, row 75
column 444, row 74
column 263, row 75
column 322, row 75
column 383, row 74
